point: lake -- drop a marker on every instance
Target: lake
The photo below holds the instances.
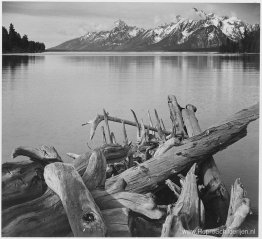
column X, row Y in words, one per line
column 46, row 98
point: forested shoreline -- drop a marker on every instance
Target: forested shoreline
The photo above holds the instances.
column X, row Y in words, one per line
column 12, row 42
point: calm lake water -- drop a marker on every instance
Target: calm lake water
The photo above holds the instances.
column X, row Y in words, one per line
column 46, row 98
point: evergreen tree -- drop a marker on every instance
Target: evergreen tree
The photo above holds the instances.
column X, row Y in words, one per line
column 12, row 42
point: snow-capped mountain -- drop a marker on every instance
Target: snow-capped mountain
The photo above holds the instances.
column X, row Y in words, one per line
column 208, row 32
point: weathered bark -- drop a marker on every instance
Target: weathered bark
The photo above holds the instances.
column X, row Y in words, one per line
column 83, row 214
column 215, row 195
column 195, row 149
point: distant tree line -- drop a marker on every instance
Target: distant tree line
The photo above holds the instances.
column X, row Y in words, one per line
column 250, row 42
column 12, row 42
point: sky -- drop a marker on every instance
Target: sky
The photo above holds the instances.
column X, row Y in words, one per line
column 56, row 22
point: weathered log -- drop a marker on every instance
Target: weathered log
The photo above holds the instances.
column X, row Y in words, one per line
column 50, row 219
column 83, row 214
column 215, row 195
column 195, row 149
column 44, row 154
column 23, row 181
column 99, row 118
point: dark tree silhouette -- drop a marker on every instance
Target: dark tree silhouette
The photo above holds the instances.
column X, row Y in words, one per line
column 12, row 42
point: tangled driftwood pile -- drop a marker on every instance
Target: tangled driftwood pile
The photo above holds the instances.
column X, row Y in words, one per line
column 165, row 184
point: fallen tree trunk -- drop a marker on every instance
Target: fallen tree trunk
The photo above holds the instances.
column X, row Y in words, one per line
column 215, row 195
column 147, row 175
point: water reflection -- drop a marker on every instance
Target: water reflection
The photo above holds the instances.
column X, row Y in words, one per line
column 15, row 62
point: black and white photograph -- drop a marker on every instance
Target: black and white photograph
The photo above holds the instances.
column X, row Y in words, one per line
column 130, row 119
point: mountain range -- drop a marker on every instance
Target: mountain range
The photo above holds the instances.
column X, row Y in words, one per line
column 209, row 32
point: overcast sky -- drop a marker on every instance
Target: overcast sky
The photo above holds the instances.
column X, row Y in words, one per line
column 54, row 23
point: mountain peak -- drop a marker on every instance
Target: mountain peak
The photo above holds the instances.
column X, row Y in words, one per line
column 200, row 13
column 120, row 24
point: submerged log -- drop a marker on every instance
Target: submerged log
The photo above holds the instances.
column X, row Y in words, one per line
column 215, row 195
column 147, row 175
column 83, row 214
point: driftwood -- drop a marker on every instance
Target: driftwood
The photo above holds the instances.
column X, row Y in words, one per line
column 83, row 214
column 188, row 210
column 24, row 181
column 122, row 193
column 147, row 175
column 51, row 220
column 215, row 195
column 186, row 217
column 99, row 118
